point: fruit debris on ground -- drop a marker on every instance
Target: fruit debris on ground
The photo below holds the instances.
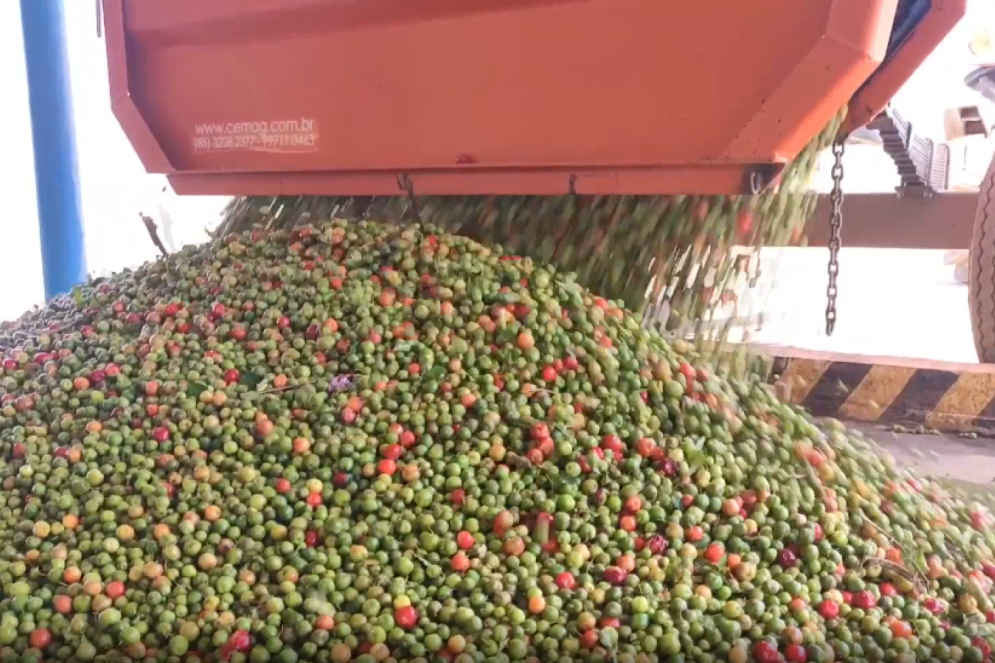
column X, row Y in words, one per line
column 367, row 442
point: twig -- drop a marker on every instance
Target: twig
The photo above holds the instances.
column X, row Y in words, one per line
column 153, row 233
column 899, row 570
column 814, row 480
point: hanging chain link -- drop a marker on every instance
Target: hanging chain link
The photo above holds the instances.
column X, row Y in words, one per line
column 835, row 227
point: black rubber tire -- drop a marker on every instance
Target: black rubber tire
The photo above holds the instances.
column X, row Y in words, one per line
column 981, row 278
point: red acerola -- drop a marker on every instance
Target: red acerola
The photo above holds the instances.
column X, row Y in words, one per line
column 829, row 609
column 406, row 617
column 795, row 654
column 566, row 580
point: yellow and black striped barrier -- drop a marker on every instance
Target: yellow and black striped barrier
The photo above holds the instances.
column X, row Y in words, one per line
column 936, row 395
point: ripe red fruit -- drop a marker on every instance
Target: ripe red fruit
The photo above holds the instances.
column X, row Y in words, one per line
column 765, row 652
column 613, row 444
column 633, row 504
column 40, row 638
column 714, row 553
column 460, row 562
column 407, row 439
column 393, row 451
column 864, row 600
column 314, row 500
column 977, row 520
column 787, row 559
column 340, row 480
column 98, row 376
column 566, row 580
column 935, row 606
column 283, row 322
column 160, row 434
column 645, row 447
column 829, row 609
column 311, row 538
column 406, row 617
column 615, row 575
column 571, row 363
column 982, row 644
column 657, row 544
column 888, row 589
column 458, row 496
column 232, row 375
column 539, row 432
column 589, row 639
column 114, row 590
column 387, row 466
column 239, row 641
column 744, row 222
column 668, row 468
column 238, row 333
column 549, row 374
column 465, row 540
column 171, row 310
column 795, row 654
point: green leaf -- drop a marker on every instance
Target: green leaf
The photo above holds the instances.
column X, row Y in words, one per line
column 77, row 293
column 437, row 372
column 250, row 379
column 196, row 389
column 695, row 458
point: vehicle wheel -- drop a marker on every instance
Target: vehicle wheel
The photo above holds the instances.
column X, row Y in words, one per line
column 981, row 283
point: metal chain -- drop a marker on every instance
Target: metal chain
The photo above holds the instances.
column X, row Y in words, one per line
column 835, row 226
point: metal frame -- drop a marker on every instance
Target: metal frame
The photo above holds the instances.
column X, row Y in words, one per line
column 53, row 134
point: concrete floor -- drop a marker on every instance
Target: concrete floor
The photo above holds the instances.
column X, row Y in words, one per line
column 940, row 456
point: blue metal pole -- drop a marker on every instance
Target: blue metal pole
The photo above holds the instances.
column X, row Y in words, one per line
column 53, row 134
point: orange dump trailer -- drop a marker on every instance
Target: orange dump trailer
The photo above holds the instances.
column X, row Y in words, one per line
column 363, row 97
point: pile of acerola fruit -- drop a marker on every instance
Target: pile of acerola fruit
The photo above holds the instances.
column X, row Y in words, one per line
column 369, row 442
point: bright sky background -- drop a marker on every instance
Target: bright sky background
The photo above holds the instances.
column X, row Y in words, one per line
column 116, row 189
